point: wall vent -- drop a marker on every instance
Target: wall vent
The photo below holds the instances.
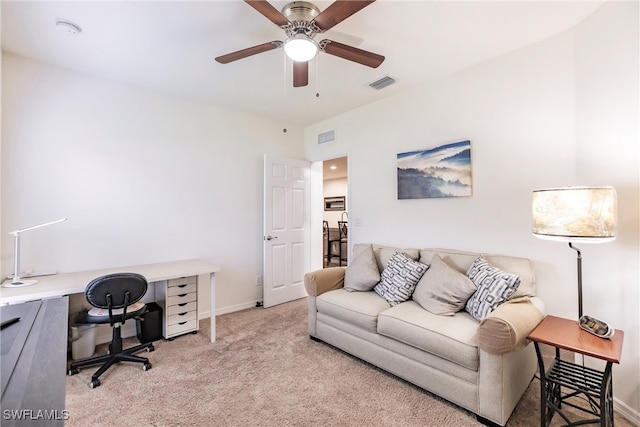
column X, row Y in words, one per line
column 382, row 83
column 326, row 137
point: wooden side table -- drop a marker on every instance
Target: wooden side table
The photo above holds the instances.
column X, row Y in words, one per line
column 577, row 380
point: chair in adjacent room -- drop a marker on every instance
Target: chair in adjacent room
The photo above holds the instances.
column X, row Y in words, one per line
column 325, row 244
column 334, row 247
column 343, row 227
column 115, row 298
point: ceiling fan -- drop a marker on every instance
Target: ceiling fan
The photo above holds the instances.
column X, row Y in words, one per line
column 301, row 21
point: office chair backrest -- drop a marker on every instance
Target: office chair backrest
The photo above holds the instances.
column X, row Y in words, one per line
column 116, row 285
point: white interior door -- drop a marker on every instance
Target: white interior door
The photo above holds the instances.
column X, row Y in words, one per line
column 286, row 229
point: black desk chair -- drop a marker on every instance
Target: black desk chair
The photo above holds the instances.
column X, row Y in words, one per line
column 115, row 298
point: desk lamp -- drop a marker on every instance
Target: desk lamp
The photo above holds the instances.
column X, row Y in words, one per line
column 575, row 214
column 16, row 281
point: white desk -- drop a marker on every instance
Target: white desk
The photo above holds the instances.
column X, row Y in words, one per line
column 75, row 283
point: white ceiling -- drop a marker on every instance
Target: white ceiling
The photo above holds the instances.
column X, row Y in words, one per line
column 170, row 46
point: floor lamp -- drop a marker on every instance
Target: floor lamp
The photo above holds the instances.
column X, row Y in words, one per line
column 16, row 281
column 575, row 214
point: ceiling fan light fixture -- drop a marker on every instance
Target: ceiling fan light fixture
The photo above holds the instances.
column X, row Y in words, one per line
column 300, row 48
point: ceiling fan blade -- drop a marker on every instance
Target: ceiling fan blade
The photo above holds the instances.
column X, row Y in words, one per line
column 250, row 51
column 300, row 74
column 269, row 12
column 351, row 53
column 338, row 11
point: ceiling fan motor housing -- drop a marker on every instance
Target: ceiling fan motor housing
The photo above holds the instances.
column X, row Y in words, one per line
column 300, row 11
column 301, row 15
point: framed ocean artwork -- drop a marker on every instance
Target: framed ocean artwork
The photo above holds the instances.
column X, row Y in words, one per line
column 442, row 171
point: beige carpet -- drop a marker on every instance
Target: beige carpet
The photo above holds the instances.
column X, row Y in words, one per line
column 263, row 370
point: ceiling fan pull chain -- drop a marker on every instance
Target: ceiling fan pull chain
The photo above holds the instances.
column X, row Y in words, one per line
column 317, row 75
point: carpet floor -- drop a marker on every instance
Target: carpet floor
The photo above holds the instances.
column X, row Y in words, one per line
column 263, row 370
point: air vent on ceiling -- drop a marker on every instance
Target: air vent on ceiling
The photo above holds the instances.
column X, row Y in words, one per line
column 382, row 83
column 326, row 137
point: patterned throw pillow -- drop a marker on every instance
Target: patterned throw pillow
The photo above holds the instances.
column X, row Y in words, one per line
column 494, row 287
column 399, row 278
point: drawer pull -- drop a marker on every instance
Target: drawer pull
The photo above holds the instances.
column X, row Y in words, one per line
column 182, row 286
column 182, row 314
column 182, row 304
column 182, row 323
column 182, row 295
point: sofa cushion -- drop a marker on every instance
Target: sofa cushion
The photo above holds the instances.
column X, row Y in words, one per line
column 399, row 278
column 358, row 308
column 362, row 273
column 453, row 338
column 462, row 260
column 443, row 290
column 384, row 254
column 494, row 287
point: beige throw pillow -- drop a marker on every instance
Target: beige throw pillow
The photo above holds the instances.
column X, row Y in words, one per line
column 362, row 273
column 443, row 290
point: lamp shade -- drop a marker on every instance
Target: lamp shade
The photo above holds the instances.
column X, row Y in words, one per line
column 575, row 214
column 300, row 48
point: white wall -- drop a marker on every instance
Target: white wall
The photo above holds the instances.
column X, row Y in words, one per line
column 141, row 176
column 517, row 114
column 608, row 152
column 537, row 117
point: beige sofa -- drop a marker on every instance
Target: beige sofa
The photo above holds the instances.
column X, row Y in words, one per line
column 483, row 366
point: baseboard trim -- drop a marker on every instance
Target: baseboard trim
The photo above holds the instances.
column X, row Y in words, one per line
column 104, row 333
column 232, row 308
column 129, row 329
column 627, row 412
column 104, row 338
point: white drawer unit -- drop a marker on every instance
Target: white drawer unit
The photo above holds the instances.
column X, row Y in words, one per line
column 179, row 301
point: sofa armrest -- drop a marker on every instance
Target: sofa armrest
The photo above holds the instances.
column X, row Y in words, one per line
column 506, row 328
column 320, row 281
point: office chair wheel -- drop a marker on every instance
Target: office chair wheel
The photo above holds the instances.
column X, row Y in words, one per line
column 146, row 366
column 74, row 371
column 150, row 348
column 94, row 383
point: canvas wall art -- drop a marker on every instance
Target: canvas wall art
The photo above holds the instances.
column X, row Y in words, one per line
column 443, row 171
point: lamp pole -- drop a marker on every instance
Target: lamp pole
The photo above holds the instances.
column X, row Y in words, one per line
column 579, row 279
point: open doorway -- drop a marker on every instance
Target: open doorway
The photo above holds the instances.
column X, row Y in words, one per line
column 335, row 215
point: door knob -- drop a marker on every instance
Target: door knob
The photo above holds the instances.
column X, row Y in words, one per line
column 271, row 237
